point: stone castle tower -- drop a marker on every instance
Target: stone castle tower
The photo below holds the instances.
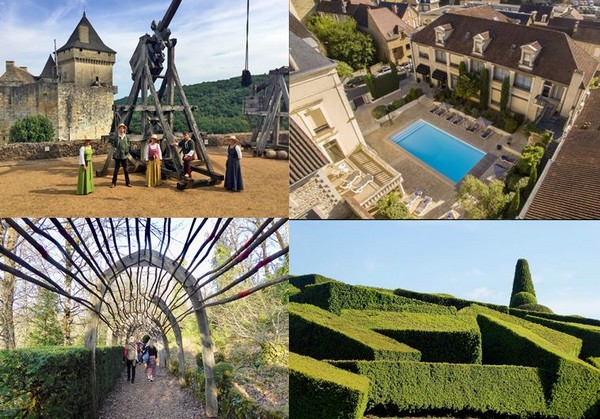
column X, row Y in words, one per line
column 75, row 92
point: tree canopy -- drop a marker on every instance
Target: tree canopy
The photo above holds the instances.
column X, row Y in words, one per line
column 390, row 207
column 481, row 200
column 31, row 129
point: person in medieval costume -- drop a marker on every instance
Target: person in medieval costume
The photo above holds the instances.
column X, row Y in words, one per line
column 153, row 158
column 121, row 146
column 187, row 149
column 85, row 179
column 233, row 171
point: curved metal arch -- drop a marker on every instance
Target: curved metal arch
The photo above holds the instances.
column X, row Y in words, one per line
column 152, row 258
column 162, row 305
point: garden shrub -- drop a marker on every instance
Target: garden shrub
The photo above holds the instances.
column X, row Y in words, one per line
column 590, row 335
column 379, row 111
column 398, row 103
column 31, row 129
column 55, row 381
column 522, row 281
column 538, row 308
column 510, row 125
column 335, row 296
column 301, row 281
column 439, row 338
column 223, row 374
column 234, row 404
column 385, row 84
column 320, row 390
column 563, row 343
column 521, row 298
column 174, row 366
column 418, row 388
column 558, row 317
column 321, row 335
column 446, row 301
column 594, row 360
column 575, row 393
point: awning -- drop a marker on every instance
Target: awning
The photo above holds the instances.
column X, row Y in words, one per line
column 440, row 75
column 423, row 69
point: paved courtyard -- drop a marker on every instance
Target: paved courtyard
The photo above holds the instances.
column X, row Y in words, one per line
column 416, row 174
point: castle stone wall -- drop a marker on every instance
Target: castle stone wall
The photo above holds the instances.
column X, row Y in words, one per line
column 82, row 67
column 85, row 112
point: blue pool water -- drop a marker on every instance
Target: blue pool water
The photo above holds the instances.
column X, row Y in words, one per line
column 443, row 152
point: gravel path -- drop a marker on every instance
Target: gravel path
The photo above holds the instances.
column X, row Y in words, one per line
column 163, row 398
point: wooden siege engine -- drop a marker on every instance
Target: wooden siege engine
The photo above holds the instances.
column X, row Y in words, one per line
column 157, row 107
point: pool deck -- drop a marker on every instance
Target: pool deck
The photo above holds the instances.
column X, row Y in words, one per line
column 419, row 176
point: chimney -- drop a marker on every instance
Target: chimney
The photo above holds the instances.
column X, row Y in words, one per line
column 9, row 65
column 23, row 68
column 396, row 8
column 396, row 30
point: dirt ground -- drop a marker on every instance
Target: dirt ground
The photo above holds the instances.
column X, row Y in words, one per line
column 46, row 188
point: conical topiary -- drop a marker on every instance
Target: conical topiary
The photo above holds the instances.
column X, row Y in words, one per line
column 522, row 281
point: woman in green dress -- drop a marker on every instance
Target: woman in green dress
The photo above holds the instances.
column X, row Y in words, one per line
column 85, row 180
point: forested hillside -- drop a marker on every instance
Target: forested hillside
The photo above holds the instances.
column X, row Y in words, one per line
column 219, row 106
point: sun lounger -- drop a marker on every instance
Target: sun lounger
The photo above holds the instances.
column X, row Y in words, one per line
column 341, row 168
column 450, row 215
column 423, row 206
column 351, row 179
column 358, row 187
column 410, row 199
column 459, row 119
column 451, row 116
column 440, row 112
column 434, row 109
column 487, row 134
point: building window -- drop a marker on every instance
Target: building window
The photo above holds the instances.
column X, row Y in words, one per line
column 439, row 38
column 477, row 46
column 527, row 58
column 453, row 79
column 522, row 82
column 318, row 120
column 440, row 56
column 546, row 89
column 407, row 47
column 500, row 73
column 333, row 151
column 424, row 55
column 476, row 66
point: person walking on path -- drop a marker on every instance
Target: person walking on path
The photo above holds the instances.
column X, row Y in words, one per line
column 121, row 146
column 85, row 178
column 233, row 171
column 153, row 158
column 188, row 150
column 130, row 355
column 151, row 366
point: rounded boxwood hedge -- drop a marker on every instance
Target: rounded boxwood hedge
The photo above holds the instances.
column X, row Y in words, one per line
column 522, row 298
column 535, row 307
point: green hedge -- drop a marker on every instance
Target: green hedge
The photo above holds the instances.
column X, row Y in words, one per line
column 538, row 308
column 446, row 301
column 301, row 281
column 55, row 381
column 319, row 334
column 595, row 361
column 590, row 335
column 335, row 296
column 521, row 298
column 439, row 338
column 319, row 390
column 420, row 388
column 557, row 317
column 562, row 342
column 576, row 391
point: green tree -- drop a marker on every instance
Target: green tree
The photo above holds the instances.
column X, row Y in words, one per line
column 515, row 203
column 343, row 69
column 484, row 89
column 45, row 325
column 467, row 85
column 31, row 129
column 504, row 95
column 482, row 201
column 532, row 179
column 371, row 85
column 522, row 281
column 343, row 41
column 530, row 157
column 390, row 207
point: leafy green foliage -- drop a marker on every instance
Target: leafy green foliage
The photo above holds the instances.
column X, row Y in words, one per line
column 557, row 317
column 54, row 382
column 533, row 175
column 467, row 84
column 382, row 85
column 530, row 158
column 481, row 200
column 343, row 69
column 521, row 298
column 484, row 88
column 522, row 281
column 575, row 391
column 301, row 281
column 445, row 301
column 45, row 327
column 31, row 129
column 478, row 390
column 319, row 390
column 322, row 335
column 379, row 111
column 515, row 204
column 504, row 95
column 391, row 207
column 510, row 125
column 590, row 335
column 343, row 41
column 535, row 307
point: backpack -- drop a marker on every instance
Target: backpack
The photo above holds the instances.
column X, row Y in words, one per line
column 145, row 356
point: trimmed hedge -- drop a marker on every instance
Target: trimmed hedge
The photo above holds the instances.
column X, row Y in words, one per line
column 319, row 334
column 557, row 317
column 595, row 361
column 522, row 281
column 446, row 301
column 438, row 338
column 399, row 388
column 538, row 308
column 521, row 298
column 576, row 391
column 55, row 381
column 319, row 390
column 562, row 342
column 301, row 281
column 335, row 296
column 590, row 335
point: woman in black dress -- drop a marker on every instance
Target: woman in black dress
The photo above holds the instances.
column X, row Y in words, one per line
column 233, row 173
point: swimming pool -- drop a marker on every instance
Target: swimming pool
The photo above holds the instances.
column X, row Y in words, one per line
column 441, row 151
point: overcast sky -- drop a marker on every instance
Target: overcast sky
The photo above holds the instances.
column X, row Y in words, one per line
column 210, row 34
column 468, row 259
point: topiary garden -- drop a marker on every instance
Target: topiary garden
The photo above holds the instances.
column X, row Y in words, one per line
column 360, row 350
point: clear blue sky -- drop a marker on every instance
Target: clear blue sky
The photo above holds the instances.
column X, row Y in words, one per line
column 468, row 259
column 210, row 34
